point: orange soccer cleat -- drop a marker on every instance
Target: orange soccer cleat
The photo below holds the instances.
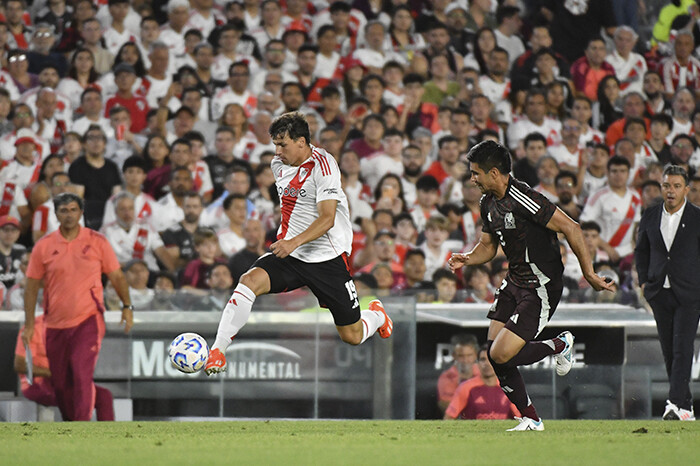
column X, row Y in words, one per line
column 216, row 362
column 386, row 329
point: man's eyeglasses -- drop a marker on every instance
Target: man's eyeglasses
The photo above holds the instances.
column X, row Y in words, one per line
column 43, row 35
column 17, row 58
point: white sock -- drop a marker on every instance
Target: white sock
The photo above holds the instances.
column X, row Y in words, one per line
column 371, row 321
column 234, row 317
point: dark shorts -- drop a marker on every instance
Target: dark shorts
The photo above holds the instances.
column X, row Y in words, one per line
column 329, row 281
column 525, row 311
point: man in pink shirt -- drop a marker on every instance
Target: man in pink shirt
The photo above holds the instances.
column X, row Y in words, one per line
column 465, row 348
column 71, row 261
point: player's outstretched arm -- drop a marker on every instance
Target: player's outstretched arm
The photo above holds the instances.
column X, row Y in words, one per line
column 484, row 251
column 319, row 227
column 562, row 223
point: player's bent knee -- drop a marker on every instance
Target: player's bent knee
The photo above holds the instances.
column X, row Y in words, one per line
column 497, row 356
column 256, row 280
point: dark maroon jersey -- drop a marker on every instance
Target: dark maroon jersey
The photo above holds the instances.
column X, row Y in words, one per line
column 518, row 222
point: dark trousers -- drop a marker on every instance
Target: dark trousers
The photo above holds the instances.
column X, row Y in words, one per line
column 677, row 325
column 43, row 393
column 72, row 354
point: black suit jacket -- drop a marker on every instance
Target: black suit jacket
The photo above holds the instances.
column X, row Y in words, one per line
column 681, row 263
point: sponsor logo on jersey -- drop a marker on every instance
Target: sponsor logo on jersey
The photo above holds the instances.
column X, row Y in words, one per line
column 291, row 192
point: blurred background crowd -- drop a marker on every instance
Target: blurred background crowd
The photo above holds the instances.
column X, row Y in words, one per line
column 157, row 112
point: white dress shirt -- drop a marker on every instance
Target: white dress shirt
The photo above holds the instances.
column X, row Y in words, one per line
column 669, row 227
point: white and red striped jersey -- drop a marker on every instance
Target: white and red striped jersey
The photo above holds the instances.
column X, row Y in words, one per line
column 629, row 71
column 222, row 63
column 115, row 39
column 138, row 242
column 226, row 96
column 564, row 156
column 204, row 25
column 591, row 135
column 300, row 189
column 202, row 178
column 680, row 128
column 22, row 176
column 675, row 75
column 144, row 207
column 6, row 82
column 616, row 216
column 550, row 129
column 496, row 92
column 12, row 197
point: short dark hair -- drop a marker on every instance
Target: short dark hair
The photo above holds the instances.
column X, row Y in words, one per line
column 662, row 118
column 324, row 29
column 565, row 174
column 441, row 274
column 677, row 170
column 506, row 11
column 411, row 78
column 534, row 136
column 232, row 197
column 67, row 198
column 427, row 183
column 445, row 139
column 308, row 48
column 634, row 121
column 618, row 160
column 490, row 154
column 654, row 183
column 414, row 252
column 294, row 124
column 330, row 91
column 591, row 225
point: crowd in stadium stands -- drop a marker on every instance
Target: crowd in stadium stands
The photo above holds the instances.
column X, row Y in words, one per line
column 157, row 112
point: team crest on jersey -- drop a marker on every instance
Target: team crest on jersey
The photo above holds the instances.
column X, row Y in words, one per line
column 509, row 221
column 302, row 174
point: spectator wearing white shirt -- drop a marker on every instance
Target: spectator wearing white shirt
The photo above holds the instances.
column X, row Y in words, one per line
column 327, row 58
column 535, row 120
column 173, row 32
column 509, row 24
column 616, row 208
column 204, row 17
column 170, row 205
column 117, row 33
column 134, row 174
column 271, row 26
column 231, row 237
column 389, row 160
column 629, row 66
column 568, row 154
column 132, row 238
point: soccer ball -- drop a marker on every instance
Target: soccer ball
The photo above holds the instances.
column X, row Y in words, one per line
column 188, row 352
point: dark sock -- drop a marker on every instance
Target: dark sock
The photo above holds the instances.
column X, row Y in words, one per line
column 534, row 351
column 513, row 386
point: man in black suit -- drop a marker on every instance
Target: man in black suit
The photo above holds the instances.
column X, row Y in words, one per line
column 667, row 257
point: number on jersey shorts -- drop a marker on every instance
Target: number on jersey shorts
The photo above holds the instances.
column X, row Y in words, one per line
column 326, row 280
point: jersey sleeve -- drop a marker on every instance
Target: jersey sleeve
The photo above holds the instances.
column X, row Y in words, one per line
column 155, row 240
column 533, row 205
column 327, row 177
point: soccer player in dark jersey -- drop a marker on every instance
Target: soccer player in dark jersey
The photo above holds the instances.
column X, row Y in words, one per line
column 525, row 224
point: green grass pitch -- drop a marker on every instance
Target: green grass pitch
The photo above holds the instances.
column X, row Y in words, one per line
column 331, row 443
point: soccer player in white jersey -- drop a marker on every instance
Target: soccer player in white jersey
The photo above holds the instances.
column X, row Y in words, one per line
column 313, row 243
